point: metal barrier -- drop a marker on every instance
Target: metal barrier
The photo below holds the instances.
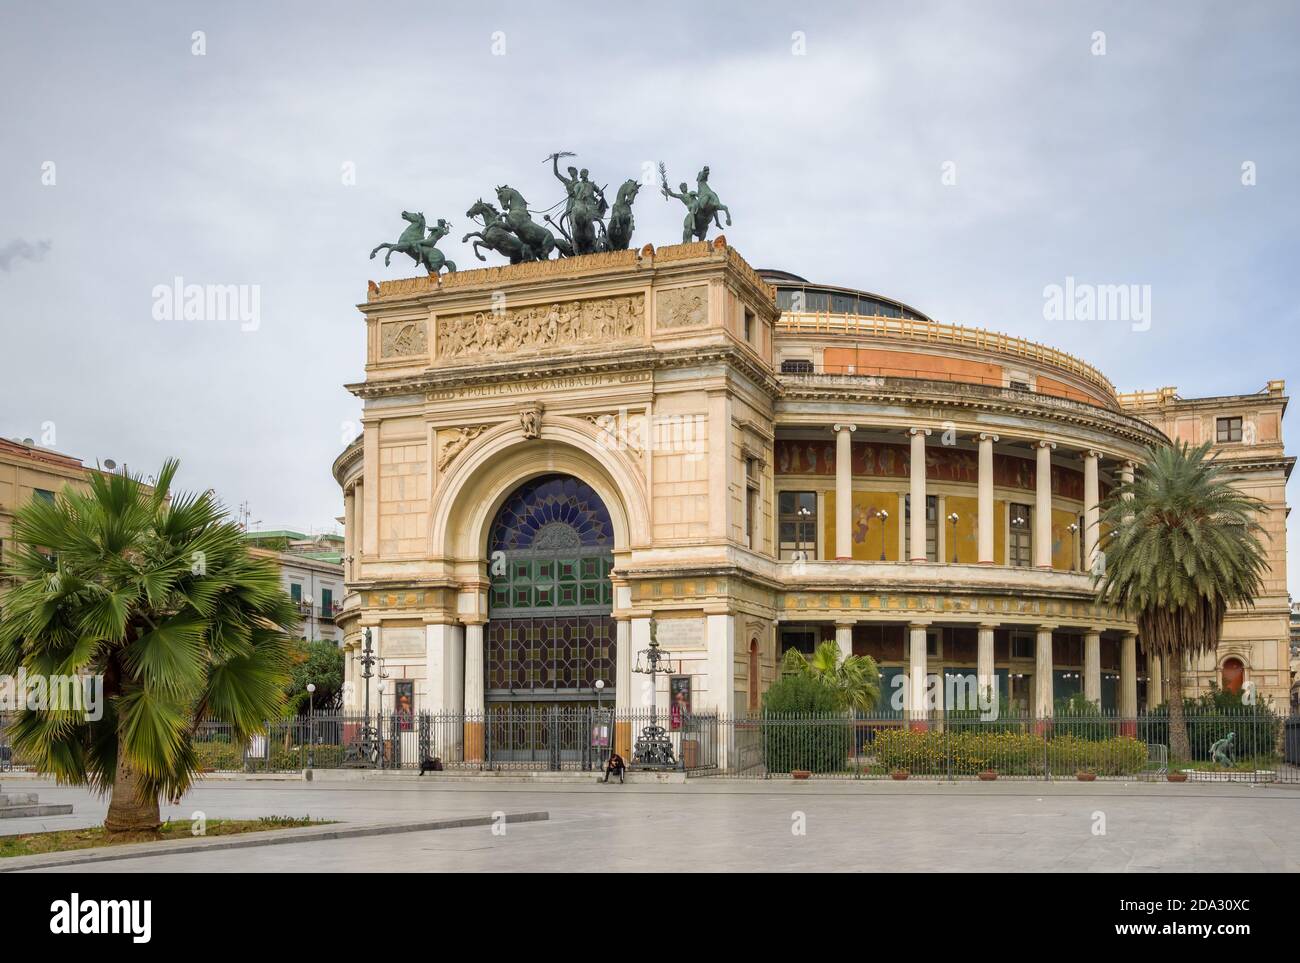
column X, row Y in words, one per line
column 1258, row 744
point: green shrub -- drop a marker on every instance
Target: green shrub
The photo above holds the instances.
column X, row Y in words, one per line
column 940, row 752
column 802, row 727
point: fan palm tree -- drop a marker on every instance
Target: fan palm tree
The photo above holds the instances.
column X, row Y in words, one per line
column 855, row 679
column 159, row 597
column 1181, row 544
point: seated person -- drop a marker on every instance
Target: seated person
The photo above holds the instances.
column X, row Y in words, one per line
column 615, row 766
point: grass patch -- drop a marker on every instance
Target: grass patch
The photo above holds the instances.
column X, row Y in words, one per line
column 65, row 840
column 1242, row 765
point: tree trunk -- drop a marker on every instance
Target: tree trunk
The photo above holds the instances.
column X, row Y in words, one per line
column 1179, row 745
column 129, row 809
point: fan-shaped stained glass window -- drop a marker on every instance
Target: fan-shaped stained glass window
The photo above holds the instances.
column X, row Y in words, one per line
column 552, row 512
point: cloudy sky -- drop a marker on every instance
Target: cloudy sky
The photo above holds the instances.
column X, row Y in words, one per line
column 959, row 156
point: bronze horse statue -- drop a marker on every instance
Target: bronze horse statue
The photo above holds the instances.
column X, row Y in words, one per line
column 420, row 249
column 619, row 233
column 538, row 242
column 496, row 235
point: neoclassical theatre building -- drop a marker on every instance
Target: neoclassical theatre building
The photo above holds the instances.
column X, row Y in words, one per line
column 557, row 453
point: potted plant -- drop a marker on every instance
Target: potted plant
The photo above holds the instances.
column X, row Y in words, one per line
column 1085, row 775
column 899, row 774
column 800, row 773
column 1176, row 776
column 988, row 775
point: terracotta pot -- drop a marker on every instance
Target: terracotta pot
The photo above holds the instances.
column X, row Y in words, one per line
column 1085, row 776
column 800, row 773
column 898, row 774
column 988, row 775
column 1176, row 776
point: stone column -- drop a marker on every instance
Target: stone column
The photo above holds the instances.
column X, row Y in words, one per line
column 916, row 537
column 985, row 673
column 623, row 687
column 349, row 532
column 844, row 491
column 359, row 520
column 844, row 638
column 1043, row 507
column 1128, row 681
column 475, row 697
column 444, row 660
column 901, row 521
column 985, row 511
column 1043, row 682
column 915, row 703
column 1092, row 666
column 1156, row 682
column 1091, row 508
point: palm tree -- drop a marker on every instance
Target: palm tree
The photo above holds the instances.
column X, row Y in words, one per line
column 1181, row 544
column 158, row 596
column 854, row 679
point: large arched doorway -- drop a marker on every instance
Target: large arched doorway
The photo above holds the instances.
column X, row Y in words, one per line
column 550, row 634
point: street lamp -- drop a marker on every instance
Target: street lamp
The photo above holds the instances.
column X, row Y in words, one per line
column 884, row 519
column 1072, row 528
column 953, row 517
column 311, row 725
column 804, row 512
column 653, row 747
column 600, row 689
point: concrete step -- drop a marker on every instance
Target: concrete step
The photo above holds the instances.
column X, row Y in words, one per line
column 35, row 809
column 17, row 799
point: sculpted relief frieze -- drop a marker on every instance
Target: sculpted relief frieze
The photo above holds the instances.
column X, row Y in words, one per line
column 403, row 339
column 682, row 307
column 542, row 327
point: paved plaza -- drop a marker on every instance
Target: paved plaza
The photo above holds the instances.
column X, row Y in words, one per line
column 731, row 825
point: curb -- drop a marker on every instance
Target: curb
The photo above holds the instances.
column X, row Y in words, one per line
column 274, row 837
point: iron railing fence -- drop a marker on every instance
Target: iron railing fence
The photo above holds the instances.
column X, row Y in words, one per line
column 1250, row 745
column 1257, row 744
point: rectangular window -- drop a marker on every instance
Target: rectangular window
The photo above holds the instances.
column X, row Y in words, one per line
column 749, row 325
column 797, row 525
column 49, row 496
column 1023, row 647
column 751, row 502
column 1018, row 385
column 931, row 525
column 1020, row 544
column 803, row 639
column 1228, row 429
column 796, row 366
column 326, row 600
column 295, row 592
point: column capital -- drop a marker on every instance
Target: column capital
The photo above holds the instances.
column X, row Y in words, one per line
column 468, row 620
column 1093, row 453
column 918, row 431
column 1093, row 630
column 1042, row 443
column 913, row 626
column 845, row 623
column 1047, row 626
column 841, row 426
column 989, row 625
column 987, row 436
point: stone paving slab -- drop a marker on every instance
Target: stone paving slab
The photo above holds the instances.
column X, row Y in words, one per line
column 273, row 837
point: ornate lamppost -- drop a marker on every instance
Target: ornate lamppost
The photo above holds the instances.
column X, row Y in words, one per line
column 369, row 747
column 311, row 725
column 1072, row 528
column 954, row 518
column 653, row 748
column 884, row 521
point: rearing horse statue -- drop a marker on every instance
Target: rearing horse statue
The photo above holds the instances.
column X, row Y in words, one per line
column 619, row 233
column 538, row 241
column 495, row 236
column 420, row 249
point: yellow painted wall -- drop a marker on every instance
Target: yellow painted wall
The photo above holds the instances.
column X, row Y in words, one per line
column 1062, row 540
column 866, row 526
